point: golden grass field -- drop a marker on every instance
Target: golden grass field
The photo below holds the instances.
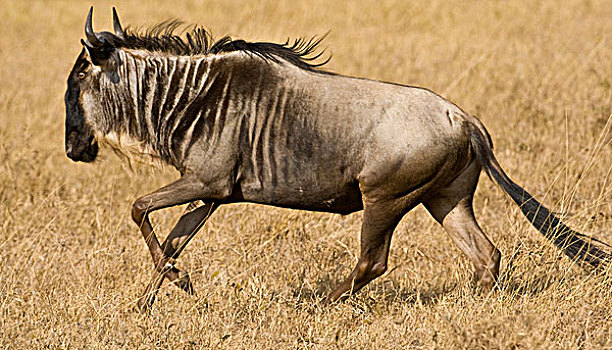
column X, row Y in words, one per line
column 72, row 263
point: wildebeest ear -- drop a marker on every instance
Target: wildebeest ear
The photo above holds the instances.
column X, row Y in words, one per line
column 102, row 52
column 108, row 60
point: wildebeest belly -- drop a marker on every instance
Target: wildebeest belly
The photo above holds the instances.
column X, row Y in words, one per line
column 306, row 193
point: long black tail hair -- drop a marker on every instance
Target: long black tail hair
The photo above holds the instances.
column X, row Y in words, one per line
column 577, row 246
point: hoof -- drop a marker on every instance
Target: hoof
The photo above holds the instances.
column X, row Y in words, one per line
column 145, row 304
column 184, row 282
column 486, row 286
column 335, row 298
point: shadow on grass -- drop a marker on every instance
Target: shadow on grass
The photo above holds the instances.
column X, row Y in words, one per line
column 378, row 291
column 523, row 285
column 516, row 280
column 427, row 297
column 389, row 291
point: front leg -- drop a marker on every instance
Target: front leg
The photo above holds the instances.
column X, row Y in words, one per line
column 186, row 189
column 184, row 230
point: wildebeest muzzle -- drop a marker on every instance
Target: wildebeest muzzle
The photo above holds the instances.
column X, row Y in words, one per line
column 81, row 148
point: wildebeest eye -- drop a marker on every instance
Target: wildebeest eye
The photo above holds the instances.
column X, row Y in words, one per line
column 81, row 75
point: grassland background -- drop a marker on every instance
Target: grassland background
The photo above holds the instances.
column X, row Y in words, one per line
column 538, row 74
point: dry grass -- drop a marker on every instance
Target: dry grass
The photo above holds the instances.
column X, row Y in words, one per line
column 539, row 76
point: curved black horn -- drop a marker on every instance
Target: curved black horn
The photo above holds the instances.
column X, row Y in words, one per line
column 117, row 26
column 89, row 33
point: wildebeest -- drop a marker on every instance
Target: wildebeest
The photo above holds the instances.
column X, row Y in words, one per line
column 259, row 122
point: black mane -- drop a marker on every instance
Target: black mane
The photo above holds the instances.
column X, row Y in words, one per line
column 198, row 41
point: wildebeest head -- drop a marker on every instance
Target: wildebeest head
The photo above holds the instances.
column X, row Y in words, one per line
column 98, row 60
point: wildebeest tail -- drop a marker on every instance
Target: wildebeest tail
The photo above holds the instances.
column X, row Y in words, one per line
column 579, row 247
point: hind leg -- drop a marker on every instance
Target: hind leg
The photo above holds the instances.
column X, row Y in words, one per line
column 379, row 221
column 452, row 207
